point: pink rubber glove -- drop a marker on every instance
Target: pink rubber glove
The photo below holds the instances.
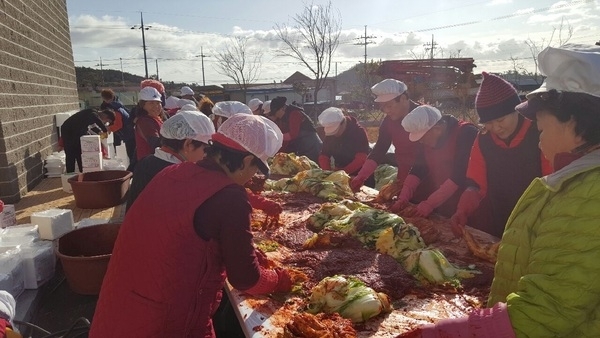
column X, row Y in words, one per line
column 367, row 170
column 411, row 182
column 325, row 162
column 437, row 198
column 484, row 323
column 468, row 203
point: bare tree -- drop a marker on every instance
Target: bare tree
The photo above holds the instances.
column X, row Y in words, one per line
column 238, row 64
column 312, row 40
column 564, row 35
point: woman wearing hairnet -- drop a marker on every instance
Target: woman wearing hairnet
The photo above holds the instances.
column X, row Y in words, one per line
column 345, row 141
column 226, row 109
column 546, row 278
column 170, row 260
column 437, row 178
column 183, row 138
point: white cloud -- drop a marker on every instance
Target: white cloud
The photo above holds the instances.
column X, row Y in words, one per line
column 499, row 2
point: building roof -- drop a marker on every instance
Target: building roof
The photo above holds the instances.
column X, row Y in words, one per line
column 297, row 77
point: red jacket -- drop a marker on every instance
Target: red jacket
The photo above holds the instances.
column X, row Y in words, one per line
column 163, row 280
column 392, row 132
column 502, row 172
column 147, row 135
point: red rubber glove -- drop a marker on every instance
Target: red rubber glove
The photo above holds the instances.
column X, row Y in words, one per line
column 367, row 170
column 411, row 182
column 284, row 281
column 437, row 198
column 324, row 162
column 269, row 207
column 467, row 204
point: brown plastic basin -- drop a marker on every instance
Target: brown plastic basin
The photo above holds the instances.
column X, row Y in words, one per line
column 100, row 189
column 84, row 254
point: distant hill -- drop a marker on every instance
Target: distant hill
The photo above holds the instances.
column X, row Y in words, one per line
column 90, row 77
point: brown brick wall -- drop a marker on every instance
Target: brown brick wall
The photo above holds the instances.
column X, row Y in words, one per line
column 37, row 80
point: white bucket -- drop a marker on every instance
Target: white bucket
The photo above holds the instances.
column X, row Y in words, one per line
column 65, row 183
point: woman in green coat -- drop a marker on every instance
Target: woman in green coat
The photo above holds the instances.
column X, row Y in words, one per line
column 547, row 276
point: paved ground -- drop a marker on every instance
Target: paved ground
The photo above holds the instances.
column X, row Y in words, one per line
column 54, row 306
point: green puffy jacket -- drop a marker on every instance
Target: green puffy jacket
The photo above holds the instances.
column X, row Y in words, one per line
column 548, row 267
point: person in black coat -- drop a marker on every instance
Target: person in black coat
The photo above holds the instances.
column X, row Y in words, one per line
column 82, row 123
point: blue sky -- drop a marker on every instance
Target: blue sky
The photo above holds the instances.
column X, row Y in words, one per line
column 493, row 32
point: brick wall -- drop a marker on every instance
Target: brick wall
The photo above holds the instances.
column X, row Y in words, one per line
column 37, row 80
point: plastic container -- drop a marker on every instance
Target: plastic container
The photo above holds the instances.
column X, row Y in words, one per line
column 64, row 179
column 53, row 223
column 84, row 254
column 100, row 189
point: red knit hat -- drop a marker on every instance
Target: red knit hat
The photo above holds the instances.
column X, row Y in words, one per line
column 496, row 98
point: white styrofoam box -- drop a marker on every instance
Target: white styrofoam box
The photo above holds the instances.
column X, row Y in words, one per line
column 26, row 233
column 12, row 271
column 8, row 216
column 54, row 170
column 53, row 223
column 86, row 222
column 39, row 263
column 64, row 178
column 90, row 144
column 91, row 160
column 61, row 118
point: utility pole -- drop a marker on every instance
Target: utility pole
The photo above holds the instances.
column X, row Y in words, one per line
column 143, row 28
column 431, row 46
column 101, row 70
column 365, row 43
column 202, row 56
column 366, row 69
column 157, row 77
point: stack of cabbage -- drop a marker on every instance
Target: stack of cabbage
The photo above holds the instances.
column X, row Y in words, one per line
column 330, row 185
column 349, row 297
column 388, row 234
column 290, row 164
column 384, row 174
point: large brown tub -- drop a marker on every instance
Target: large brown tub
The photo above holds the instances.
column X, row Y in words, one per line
column 84, row 254
column 100, row 189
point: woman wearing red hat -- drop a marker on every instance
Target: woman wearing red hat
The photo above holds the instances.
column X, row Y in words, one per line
column 170, row 261
column 505, row 158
